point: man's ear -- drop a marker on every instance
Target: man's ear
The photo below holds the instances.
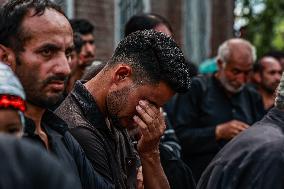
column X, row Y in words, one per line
column 220, row 64
column 7, row 56
column 257, row 77
column 122, row 72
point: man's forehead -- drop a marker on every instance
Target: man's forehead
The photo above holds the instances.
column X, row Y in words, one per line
column 87, row 37
column 48, row 21
column 272, row 65
column 159, row 93
column 50, row 26
column 243, row 67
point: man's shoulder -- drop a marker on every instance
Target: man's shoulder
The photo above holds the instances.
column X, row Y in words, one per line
column 202, row 79
column 251, row 89
column 79, row 109
column 71, row 113
column 200, row 84
column 261, row 138
column 245, row 156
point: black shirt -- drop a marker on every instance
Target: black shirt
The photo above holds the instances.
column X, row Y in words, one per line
column 253, row 159
column 24, row 165
column 109, row 149
column 201, row 109
column 66, row 149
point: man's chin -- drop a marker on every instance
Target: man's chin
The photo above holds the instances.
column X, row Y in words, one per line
column 87, row 62
column 234, row 90
column 47, row 101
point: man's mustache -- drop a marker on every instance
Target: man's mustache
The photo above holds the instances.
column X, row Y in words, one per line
column 89, row 55
column 55, row 78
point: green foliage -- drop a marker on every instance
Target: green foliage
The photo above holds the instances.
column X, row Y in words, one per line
column 265, row 29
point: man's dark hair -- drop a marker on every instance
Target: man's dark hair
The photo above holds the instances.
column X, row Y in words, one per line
column 78, row 42
column 154, row 57
column 192, row 68
column 12, row 14
column 82, row 26
column 275, row 54
column 145, row 22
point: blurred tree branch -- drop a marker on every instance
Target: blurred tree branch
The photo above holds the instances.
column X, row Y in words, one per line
column 265, row 29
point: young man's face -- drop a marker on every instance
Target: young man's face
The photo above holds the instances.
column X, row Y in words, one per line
column 10, row 122
column 121, row 103
column 42, row 66
column 271, row 75
column 88, row 49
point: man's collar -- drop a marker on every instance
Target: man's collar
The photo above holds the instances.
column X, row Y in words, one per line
column 49, row 119
column 220, row 85
column 276, row 115
column 88, row 105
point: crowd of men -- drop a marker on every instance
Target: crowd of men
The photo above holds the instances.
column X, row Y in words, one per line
column 144, row 119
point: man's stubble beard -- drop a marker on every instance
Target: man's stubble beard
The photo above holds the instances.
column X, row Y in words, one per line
column 115, row 102
column 34, row 88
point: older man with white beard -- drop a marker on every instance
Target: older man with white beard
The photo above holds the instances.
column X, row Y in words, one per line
column 219, row 107
column 255, row 158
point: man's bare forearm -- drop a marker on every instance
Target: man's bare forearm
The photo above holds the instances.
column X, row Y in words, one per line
column 153, row 173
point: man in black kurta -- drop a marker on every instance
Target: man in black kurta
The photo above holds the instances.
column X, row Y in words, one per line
column 218, row 107
column 254, row 159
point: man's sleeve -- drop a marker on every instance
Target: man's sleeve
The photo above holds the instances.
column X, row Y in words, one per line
column 187, row 113
column 263, row 169
column 92, row 167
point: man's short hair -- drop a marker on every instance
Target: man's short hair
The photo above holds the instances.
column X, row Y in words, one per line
column 78, row 42
column 82, row 26
column 145, row 22
column 12, row 14
column 275, row 54
column 154, row 57
column 224, row 50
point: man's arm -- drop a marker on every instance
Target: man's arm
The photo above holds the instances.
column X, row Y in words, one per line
column 152, row 126
column 93, row 174
column 186, row 118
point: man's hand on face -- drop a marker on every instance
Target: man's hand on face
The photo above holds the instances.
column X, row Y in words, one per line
column 230, row 129
column 152, row 126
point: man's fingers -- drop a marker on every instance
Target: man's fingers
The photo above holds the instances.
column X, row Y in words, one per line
column 244, row 125
column 149, row 108
column 162, row 124
column 143, row 127
column 143, row 114
column 240, row 127
column 151, row 123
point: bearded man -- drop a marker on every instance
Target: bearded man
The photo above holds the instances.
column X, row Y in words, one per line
column 217, row 108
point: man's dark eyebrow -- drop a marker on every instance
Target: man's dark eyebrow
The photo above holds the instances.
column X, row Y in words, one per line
column 49, row 46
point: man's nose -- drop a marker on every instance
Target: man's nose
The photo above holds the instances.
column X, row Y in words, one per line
column 278, row 77
column 242, row 78
column 62, row 66
column 90, row 48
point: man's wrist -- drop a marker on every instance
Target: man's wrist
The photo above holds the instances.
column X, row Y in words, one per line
column 149, row 154
column 217, row 132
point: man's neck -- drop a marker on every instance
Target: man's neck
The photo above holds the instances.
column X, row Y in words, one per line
column 267, row 98
column 228, row 93
column 98, row 93
column 35, row 113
